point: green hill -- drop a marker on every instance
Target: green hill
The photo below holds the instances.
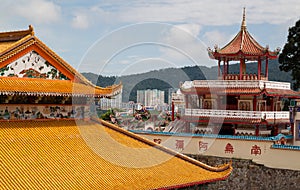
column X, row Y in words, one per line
column 170, row 78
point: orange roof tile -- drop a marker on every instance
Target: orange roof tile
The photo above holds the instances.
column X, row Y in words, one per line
column 37, row 86
column 202, row 90
column 245, row 91
column 243, row 45
column 77, row 154
column 283, row 93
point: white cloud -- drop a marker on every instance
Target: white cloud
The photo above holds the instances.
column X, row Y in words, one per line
column 80, row 21
column 192, row 29
column 84, row 17
column 206, row 12
column 183, row 46
column 38, row 11
column 215, row 37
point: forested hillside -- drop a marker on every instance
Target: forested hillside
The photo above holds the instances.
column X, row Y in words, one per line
column 170, row 78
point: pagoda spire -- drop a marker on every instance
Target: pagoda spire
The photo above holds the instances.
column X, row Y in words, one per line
column 244, row 26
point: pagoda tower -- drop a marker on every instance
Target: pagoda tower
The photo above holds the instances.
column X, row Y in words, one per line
column 238, row 104
column 243, row 48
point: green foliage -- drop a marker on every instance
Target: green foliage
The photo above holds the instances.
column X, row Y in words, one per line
column 289, row 58
column 106, row 115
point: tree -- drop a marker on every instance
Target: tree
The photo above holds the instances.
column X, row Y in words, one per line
column 289, row 58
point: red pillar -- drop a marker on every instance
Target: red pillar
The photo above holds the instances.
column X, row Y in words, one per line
column 227, row 67
column 186, row 97
column 292, row 128
column 257, row 130
column 241, row 69
column 173, row 108
column 254, row 103
column 224, row 67
column 258, row 68
column 267, row 67
column 275, row 130
column 219, row 68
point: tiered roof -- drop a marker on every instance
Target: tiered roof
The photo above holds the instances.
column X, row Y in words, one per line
column 243, row 46
column 15, row 44
column 77, row 154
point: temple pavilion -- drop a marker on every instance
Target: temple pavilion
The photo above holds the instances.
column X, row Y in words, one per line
column 51, row 139
column 239, row 103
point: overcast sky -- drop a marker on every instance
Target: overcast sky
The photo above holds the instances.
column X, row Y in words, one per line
column 124, row 37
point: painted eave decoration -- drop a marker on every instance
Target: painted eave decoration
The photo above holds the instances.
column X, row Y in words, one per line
column 25, row 60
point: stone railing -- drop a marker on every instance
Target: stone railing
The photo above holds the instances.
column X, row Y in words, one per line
column 237, row 114
column 237, row 84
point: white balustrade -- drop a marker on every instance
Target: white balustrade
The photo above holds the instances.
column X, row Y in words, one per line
column 237, row 114
column 237, row 84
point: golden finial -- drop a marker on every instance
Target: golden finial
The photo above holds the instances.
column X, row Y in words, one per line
column 31, row 30
column 244, row 19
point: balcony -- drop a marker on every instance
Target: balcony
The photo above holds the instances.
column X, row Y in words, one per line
column 237, row 84
column 271, row 115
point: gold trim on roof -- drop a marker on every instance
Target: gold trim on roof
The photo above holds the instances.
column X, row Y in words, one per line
column 37, row 86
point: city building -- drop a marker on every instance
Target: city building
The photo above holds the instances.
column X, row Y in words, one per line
column 114, row 102
column 50, row 137
column 150, row 97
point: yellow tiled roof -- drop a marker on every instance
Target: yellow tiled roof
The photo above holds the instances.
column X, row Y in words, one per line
column 37, row 86
column 5, row 45
column 76, row 154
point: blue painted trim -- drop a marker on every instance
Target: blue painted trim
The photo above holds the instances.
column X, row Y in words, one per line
column 209, row 135
column 286, row 147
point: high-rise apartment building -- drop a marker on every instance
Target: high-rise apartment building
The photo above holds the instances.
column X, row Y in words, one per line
column 150, row 97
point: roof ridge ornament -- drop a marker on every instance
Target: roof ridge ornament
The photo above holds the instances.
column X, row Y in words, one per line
column 244, row 26
column 31, row 30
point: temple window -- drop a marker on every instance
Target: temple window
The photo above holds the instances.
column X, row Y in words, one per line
column 261, row 105
column 245, row 105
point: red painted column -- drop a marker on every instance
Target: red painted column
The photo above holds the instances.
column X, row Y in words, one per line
column 186, row 97
column 241, row 69
column 292, row 128
column 173, row 108
column 275, row 130
column 267, row 67
column 258, row 68
column 254, row 103
column 257, row 130
column 227, row 67
column 224, row 67
column 219, row 68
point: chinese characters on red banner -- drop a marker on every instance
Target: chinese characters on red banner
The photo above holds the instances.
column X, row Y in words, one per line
column 158, row 141
column 229, row 148
column 202, row 145
column 256, row 150
column 179, row 144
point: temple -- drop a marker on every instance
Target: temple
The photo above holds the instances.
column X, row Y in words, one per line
column 239, row 115
column 243, row 103
column 50, row 137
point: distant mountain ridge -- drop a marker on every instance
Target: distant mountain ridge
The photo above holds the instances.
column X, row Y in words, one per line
column 171, row 77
